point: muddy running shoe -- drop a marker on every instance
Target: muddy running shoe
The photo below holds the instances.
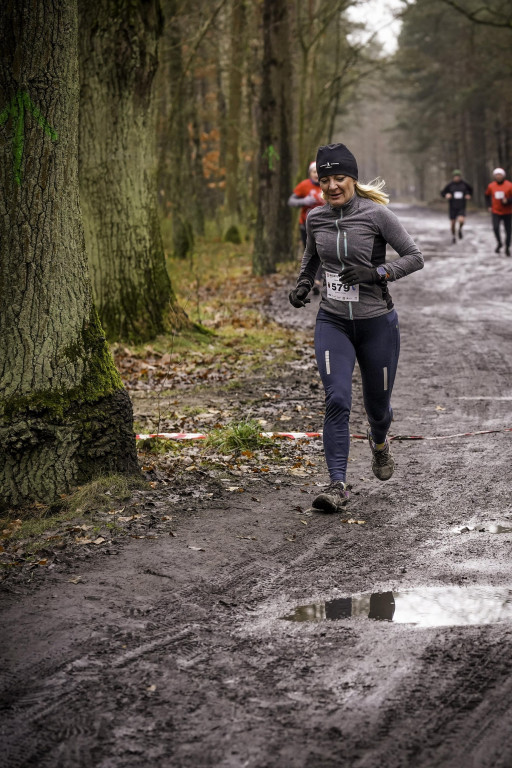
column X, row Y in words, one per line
column 333, row 499
column 383, row 464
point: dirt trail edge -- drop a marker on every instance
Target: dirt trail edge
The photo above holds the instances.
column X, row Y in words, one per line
column 173, row 652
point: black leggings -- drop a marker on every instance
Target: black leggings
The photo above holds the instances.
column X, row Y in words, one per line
column 506, row 218
column 375, row 343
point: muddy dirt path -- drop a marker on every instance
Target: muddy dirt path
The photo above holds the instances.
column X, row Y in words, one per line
column 163, row 655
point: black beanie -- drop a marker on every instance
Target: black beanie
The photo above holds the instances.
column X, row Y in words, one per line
column 335, row 159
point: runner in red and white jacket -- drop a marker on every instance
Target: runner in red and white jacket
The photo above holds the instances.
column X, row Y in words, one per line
column 308, row 195
column 499, row 202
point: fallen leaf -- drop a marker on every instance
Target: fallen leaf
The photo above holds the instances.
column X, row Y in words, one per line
column 83, row 540
column 197, row 549
column 254, row 498
column 151, row 688
column 290, row 538
column 116, row 511
column 304, row 522
column 75, row 580
column 42, row 562
column 440, row 408
column 171, row 533
column 99, row 540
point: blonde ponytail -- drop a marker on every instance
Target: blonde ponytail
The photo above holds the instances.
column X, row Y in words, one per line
column 373, row 191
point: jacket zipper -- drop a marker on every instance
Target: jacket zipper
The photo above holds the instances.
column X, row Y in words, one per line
column 345, row 247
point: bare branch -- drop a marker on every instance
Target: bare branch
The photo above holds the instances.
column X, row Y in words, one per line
column 202, row 33
column 473, row 16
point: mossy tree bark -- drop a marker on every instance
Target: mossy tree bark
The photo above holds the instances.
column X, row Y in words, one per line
column 118, row 61
column 273, row 239
column 64, row 415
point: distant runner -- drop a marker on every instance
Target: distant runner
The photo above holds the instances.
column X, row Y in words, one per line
column 356, row 318
column 307, row 195
column 457, row 191
column 499, row 201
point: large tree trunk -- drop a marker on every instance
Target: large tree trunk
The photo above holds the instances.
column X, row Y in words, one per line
column 235, row 109
column 64, row 415
column 273, row 239
column 118, row 60
column 181, row 181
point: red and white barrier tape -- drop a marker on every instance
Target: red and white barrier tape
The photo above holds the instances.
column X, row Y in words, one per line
column 298, row 435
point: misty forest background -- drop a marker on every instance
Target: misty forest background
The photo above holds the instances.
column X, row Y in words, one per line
column 241, row 92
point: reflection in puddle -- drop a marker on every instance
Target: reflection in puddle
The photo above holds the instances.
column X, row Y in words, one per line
column 423, row 607
column 499, row 529
column 492, row 528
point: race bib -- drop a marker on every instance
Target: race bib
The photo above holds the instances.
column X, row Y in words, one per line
column 339, row 291
column 458, row 195
column 499, row 195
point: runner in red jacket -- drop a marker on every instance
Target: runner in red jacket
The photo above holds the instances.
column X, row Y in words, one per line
column 499, row 201
column 307, row 195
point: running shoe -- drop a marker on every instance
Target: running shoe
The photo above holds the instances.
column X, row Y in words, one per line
column 498, row 248
column 333, row 499
column 460, row 234
column 383, row 464
column 507, row 251
column 454, row 240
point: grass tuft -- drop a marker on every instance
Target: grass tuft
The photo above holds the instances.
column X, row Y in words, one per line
column 236, row 437
column 101, row 494
column 97, row 496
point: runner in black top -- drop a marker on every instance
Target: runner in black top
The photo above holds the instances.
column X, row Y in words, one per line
column 457, row 191
column 356, row 319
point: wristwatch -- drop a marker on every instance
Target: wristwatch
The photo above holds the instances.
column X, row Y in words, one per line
column 382, row 273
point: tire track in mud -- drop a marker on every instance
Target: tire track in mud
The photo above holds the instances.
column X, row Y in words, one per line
column 449, row 704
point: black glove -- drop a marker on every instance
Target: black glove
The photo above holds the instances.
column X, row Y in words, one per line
column 356, row 275
column 297, row 297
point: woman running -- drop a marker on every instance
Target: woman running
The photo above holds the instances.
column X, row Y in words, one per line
column 356, row 319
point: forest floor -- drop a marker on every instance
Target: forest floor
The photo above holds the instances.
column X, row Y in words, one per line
column 233, row 627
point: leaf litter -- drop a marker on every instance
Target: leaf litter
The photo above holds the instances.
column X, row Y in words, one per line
column 182, row 476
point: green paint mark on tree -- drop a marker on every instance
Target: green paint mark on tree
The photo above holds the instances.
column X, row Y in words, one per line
column 270, row 155
column 16, row 110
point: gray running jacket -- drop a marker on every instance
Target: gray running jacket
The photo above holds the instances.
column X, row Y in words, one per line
column 357, row 234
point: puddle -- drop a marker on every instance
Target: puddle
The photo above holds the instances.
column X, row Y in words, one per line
column 499, row 529
column 491, row 528
column 422, row 607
